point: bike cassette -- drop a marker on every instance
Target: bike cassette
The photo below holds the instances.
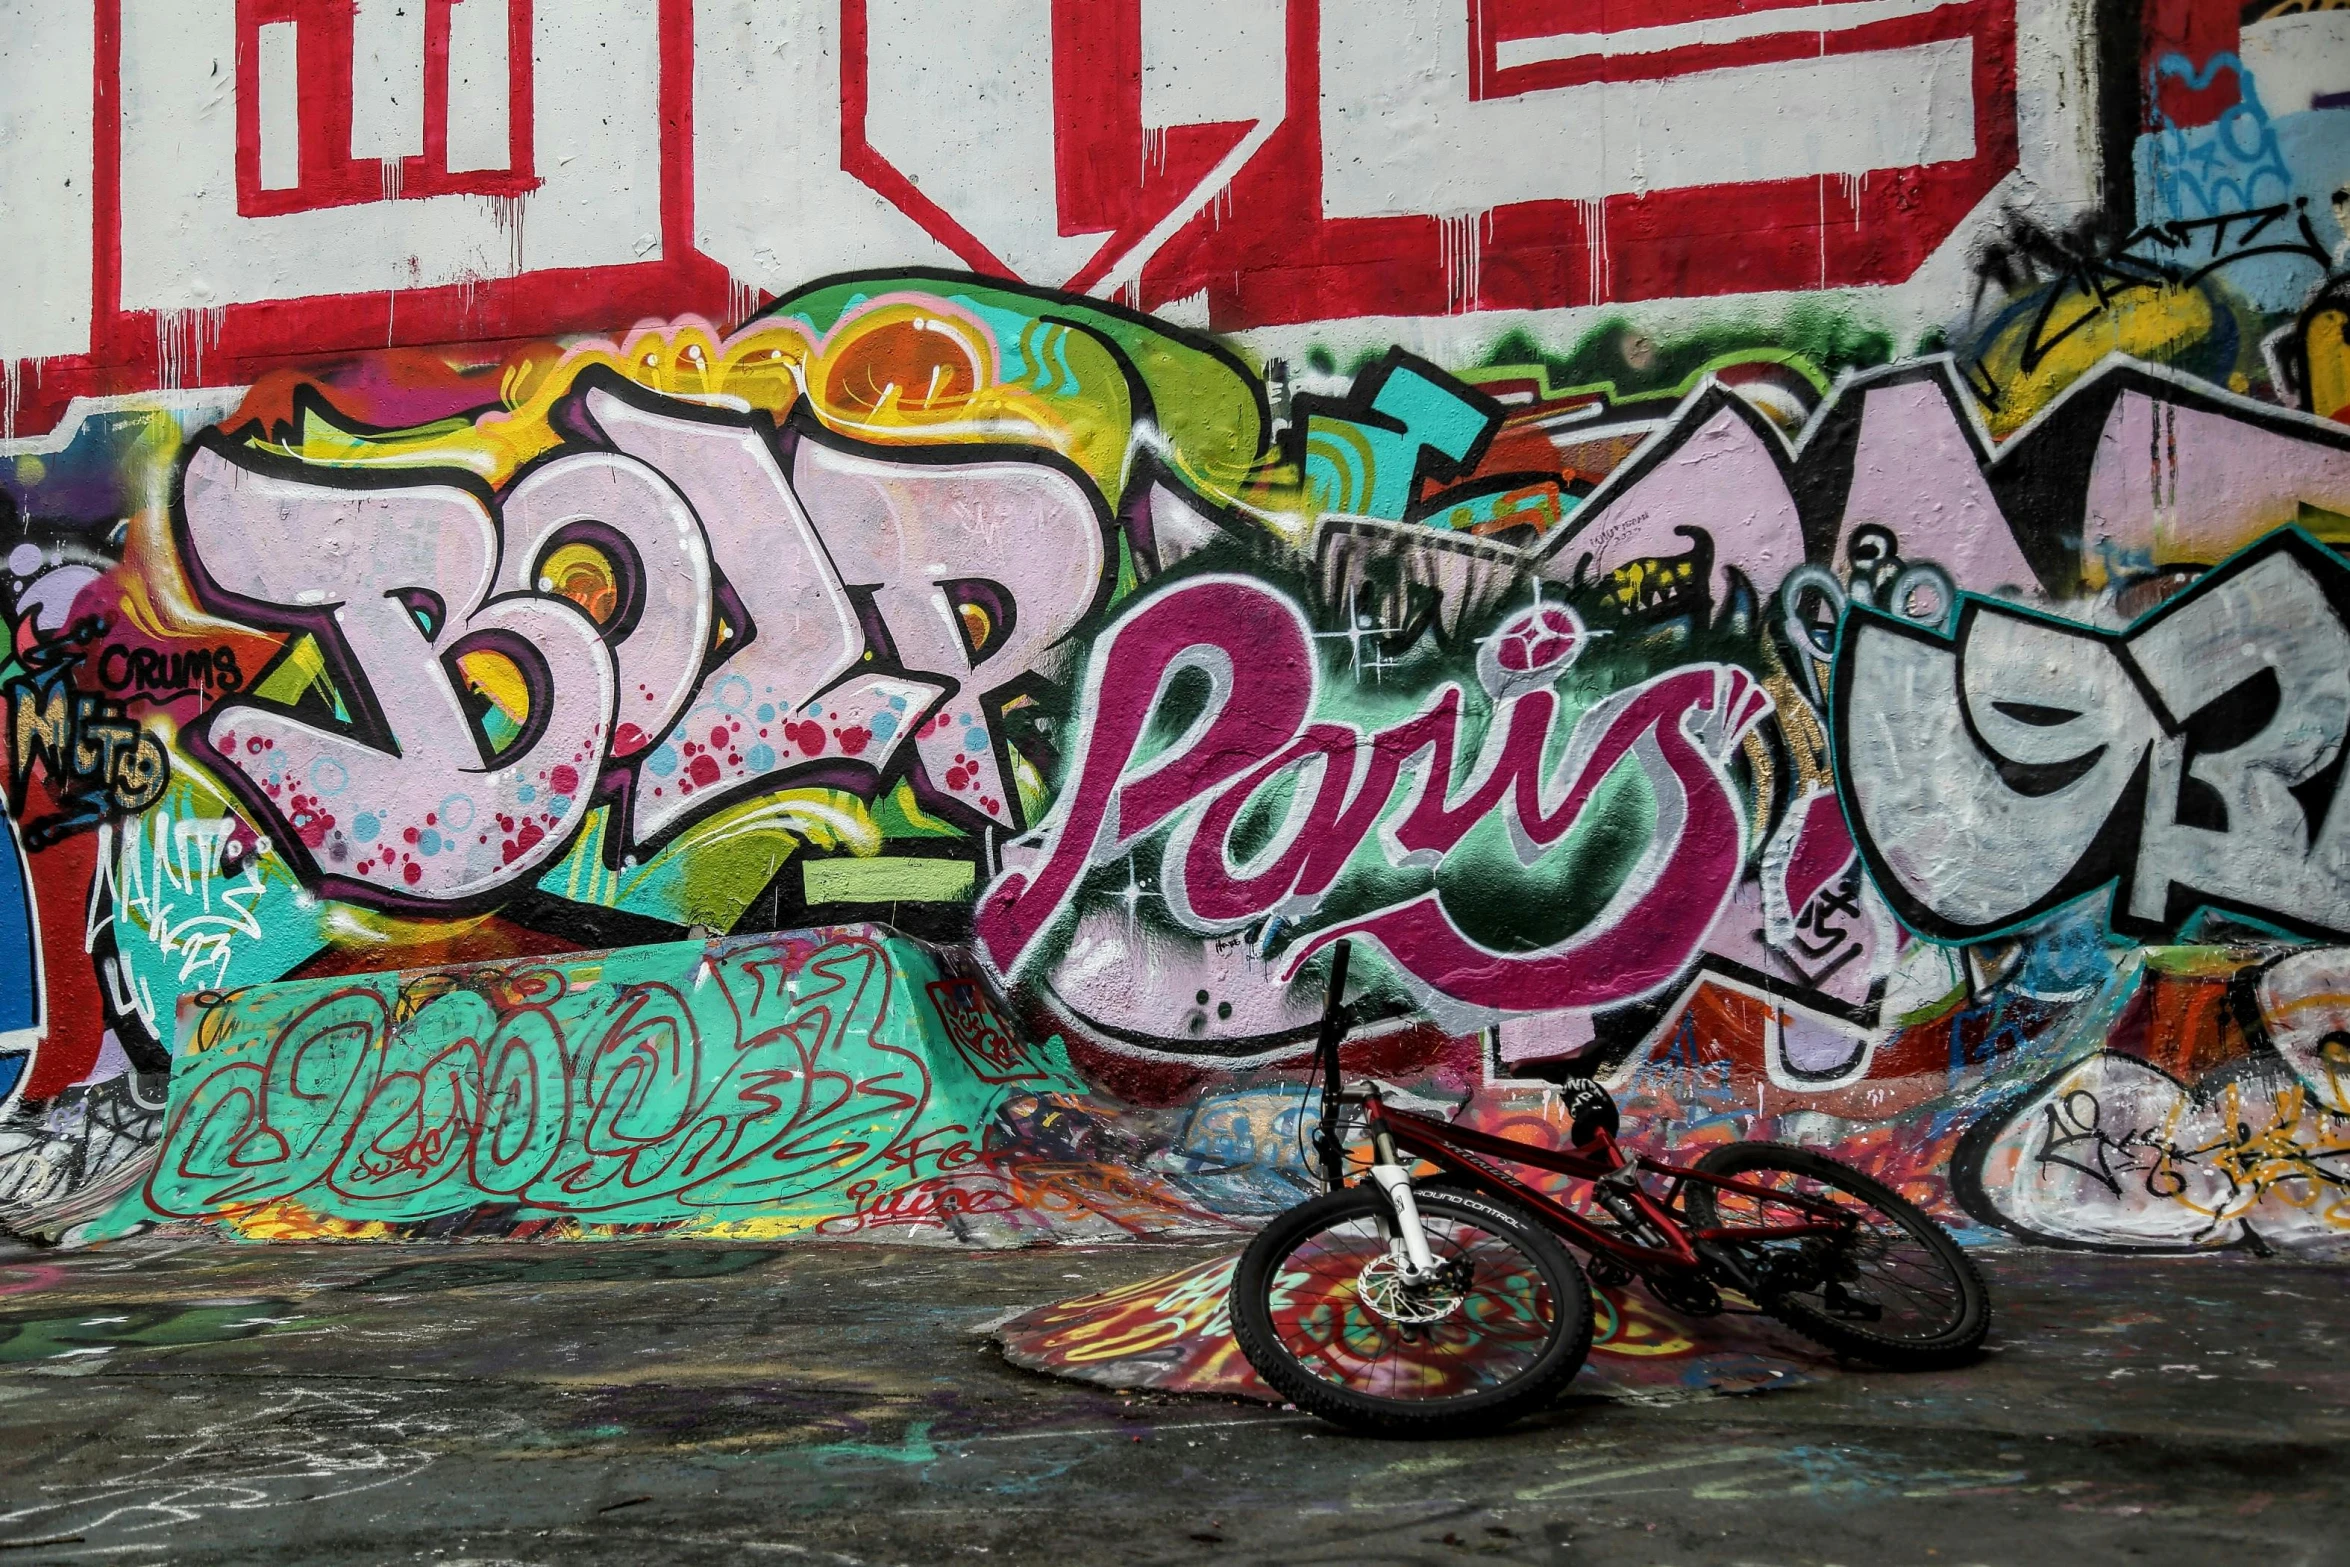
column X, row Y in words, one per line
column 1798, row 1271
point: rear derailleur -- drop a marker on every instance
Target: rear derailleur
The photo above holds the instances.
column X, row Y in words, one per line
column 1818, row 1265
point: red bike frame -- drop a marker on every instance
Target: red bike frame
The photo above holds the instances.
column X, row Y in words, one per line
column 1613, row 1172
column 1605, row 1163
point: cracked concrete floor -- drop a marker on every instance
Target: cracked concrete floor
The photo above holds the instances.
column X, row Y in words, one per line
column 655, row 1402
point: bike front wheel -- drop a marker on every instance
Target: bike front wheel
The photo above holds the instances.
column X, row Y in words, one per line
column 1321, row 1310
column 1894, row 1288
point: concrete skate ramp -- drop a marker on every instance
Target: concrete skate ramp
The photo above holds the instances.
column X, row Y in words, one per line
column 845, row 1080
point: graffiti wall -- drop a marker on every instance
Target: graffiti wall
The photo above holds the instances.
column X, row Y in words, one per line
column 511, row 510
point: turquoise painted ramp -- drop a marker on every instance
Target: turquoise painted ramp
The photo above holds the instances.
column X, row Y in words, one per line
column 841, row 1080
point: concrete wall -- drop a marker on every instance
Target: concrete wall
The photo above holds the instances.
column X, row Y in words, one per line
column 1760, row 552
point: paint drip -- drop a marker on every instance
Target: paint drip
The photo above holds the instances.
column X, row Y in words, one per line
column 1594, row 216
column 506, row 211
column 742, row 299
column 181, row 337
column 1463, row 256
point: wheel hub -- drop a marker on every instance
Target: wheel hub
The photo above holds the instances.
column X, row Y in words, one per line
column 1851, row 1304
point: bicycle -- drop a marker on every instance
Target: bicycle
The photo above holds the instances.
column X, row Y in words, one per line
column 1442, row 1306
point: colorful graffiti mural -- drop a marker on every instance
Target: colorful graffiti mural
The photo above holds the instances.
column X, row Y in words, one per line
column 1816, row 713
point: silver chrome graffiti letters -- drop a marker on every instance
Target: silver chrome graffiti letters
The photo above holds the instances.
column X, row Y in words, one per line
column 2194, row 759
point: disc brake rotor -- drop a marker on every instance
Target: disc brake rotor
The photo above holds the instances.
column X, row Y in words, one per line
column 1383, row 1287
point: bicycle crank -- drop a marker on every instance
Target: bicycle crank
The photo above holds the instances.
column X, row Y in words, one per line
column 1692, row 1297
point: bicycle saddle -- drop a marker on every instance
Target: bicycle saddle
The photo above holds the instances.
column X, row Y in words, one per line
column 1405, row 1099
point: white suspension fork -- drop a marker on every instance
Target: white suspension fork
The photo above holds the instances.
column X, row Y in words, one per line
column 1396, row 1182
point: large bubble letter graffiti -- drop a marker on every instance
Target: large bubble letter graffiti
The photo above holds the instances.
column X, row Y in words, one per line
column 458, row 730
column 2194, row 759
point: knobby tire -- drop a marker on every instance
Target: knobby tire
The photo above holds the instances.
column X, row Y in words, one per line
column 1937, row 1311
column 1519, row 1335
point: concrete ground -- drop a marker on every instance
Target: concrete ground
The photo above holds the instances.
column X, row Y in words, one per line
column 829, row 1404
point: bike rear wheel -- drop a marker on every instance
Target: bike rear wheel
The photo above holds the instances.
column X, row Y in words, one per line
column 1320, row 1311
column 1896, row 1289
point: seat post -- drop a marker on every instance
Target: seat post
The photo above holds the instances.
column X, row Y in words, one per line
column 1326, row 1139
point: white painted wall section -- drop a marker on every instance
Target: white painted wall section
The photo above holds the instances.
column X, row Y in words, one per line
column 961, row 102
column 771, row 201
column 387, row 79
column 1210, row 61
column 45, row 178
column 481, row 90
column 1400, row 134
column 186, row 247
column 278, row 81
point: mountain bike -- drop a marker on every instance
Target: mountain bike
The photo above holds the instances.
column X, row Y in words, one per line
column 1449, row 1304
